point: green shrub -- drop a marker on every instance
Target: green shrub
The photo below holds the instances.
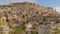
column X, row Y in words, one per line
column 34, row 31
column 19, row 30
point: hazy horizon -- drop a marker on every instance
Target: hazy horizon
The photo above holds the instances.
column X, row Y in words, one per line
column 46, row 3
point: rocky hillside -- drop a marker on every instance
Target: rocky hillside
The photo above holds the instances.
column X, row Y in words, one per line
column 26, row 17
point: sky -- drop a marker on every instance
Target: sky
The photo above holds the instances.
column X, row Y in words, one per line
column 46, row 3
